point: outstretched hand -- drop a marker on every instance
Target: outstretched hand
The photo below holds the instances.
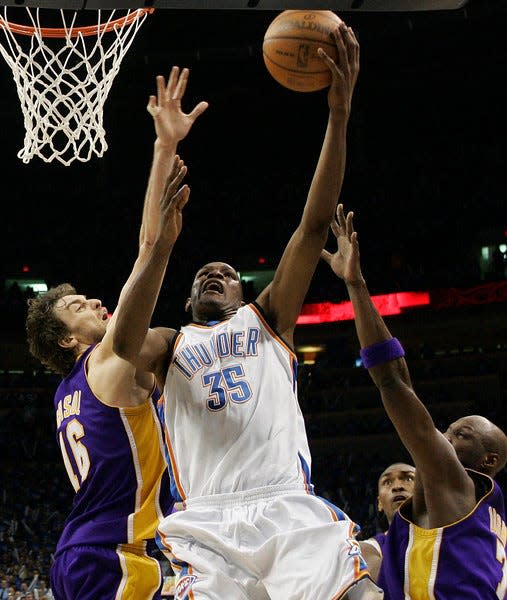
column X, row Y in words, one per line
column 344, row 71
column 171, row 123
column 345, row 261
column 172, row 202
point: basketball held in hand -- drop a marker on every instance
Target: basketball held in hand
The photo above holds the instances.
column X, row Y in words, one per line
column 290, row 48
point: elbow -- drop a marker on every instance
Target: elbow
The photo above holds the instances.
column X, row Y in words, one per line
column 316, row 232
column 388, row 379
column 391, row 374
column 146, row 247
column 316, row 222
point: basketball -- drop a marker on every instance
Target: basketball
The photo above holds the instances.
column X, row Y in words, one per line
column 290, row 48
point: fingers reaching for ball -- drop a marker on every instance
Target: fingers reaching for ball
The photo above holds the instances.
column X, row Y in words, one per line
column 290, row 48
column 344, row 70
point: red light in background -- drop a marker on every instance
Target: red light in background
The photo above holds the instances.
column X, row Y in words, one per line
column 25, row 269
column 261, row 260
column 387, row 304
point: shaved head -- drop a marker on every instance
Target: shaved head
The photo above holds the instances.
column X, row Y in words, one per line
column 493, row 442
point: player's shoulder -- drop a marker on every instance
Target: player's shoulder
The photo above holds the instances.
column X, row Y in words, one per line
column 167, row 333
column 487, row 489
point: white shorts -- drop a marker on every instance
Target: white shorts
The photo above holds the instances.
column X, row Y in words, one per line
column 273, row 543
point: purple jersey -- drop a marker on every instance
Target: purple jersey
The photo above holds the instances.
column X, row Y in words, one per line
column 115, row 461
column 380, row 538
column 378, row 541
column 461, row 561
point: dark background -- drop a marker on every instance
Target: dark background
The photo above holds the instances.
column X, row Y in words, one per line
column 426, row 177
column 426, row 168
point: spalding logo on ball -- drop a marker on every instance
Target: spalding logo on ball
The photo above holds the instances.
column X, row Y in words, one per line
column 290, row 48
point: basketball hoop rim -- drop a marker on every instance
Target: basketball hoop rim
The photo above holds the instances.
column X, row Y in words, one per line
column 85, row 31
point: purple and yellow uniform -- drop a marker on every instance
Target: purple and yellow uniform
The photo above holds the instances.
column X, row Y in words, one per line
column 115, row 461
column 461, row 561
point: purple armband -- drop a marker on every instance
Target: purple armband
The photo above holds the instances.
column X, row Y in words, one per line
column 381, row 352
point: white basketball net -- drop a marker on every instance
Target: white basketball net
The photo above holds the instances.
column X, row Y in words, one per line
column 63, row 83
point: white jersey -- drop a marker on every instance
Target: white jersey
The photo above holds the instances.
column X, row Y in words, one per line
column 251, row 528
column 232, row 417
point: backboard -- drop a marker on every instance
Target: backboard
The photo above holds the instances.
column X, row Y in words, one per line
column 336, row 5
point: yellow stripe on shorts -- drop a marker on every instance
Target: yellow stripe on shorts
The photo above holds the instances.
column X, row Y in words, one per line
column 141, row 575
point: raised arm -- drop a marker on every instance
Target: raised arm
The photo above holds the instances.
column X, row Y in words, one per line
column 171, row 126
column 448, row 491
column 283, row 299
column 113, row 376
column 133, row 340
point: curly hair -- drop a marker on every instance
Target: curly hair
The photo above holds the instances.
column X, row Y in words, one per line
column 45, row 330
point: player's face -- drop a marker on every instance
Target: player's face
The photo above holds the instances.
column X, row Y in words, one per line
column 395, row 485
column 465, row 435
column 216, row 291
column 86, row 319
